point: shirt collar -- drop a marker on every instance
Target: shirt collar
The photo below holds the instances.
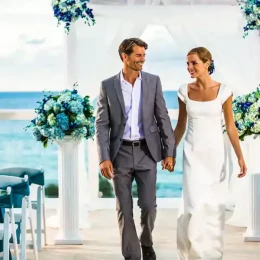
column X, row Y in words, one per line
column 122, row 76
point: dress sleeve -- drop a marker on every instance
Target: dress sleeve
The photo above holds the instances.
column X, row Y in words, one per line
column 225, row 94
column 182, row 93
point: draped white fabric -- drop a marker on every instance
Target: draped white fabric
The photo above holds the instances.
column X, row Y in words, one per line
column 237, row 60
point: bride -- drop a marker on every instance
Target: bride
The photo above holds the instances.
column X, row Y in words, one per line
column 201, row 217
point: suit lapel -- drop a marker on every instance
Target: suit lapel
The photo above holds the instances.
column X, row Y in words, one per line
column 145, row 92
column 119, row 93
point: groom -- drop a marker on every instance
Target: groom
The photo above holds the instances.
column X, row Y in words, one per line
column 133, row 133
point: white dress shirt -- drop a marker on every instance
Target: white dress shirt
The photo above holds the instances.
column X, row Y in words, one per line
column 133, row 107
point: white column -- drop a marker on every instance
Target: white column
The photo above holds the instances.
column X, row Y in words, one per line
column 84, row 188
column 93, row 171
column 253, row 227
column 68, row 167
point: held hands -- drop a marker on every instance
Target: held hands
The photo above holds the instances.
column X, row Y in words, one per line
column 168, row 163
column 243, row 168
column 106, row 169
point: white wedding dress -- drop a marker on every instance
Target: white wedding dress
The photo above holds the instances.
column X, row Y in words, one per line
column 201, row 218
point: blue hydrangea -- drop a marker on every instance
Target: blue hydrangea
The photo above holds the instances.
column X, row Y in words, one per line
column 62, row 115
column 57, row 108
column 45, row 131
column 63, row 121
column 58, row 133
column 76, row 107
column 76, row 97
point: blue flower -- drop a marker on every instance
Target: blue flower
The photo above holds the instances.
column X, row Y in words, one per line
column 75, row 96
column 60, row 115
column 46, row 131
column 63, row 121
column 57, row 108
column 68, row 11
column 58, row 133
column 76, row 107
column 251, row 9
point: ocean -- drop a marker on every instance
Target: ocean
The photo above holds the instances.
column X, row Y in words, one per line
column 19, row 148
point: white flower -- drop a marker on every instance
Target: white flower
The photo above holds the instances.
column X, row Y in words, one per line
column 251, row 98
column 250, row 117
column 51, row 120
column 256, row 128
column 237, row 116
column 254, row 107
column 49, row 105
column 81, row 119
column 66, row 97
column 241, row 99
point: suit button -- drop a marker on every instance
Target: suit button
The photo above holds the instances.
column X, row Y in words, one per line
column 124, row 124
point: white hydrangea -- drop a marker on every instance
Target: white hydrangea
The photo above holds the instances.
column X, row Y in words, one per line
column 241, row 99
column 66, row 97
column 237, row 116
column 250, row 117
column 256, row 127
column 49, row 105
column 254, row 107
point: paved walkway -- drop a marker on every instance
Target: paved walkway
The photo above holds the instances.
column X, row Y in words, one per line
column 102, row 240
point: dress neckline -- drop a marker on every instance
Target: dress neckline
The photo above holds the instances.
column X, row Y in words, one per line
column 208, row 101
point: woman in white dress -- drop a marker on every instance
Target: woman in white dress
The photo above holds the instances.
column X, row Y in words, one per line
column 201, row 218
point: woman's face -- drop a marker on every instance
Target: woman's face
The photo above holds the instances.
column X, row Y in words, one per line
column 196, row 67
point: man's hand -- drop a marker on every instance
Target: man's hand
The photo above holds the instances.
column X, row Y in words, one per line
column 168, row 163
column 106, row 169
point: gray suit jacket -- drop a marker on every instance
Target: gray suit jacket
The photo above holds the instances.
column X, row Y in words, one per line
column 111, row 119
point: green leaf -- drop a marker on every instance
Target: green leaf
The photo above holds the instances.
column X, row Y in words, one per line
column 45, row 142
column 257, row 95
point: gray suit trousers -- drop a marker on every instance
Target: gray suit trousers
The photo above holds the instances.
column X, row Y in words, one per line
column 135, row 163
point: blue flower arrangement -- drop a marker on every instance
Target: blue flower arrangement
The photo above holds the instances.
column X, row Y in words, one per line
column 251, row 9
column 68, row 11
column 246, row 110
column 66, row 114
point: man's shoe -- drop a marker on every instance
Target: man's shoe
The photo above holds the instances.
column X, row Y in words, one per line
column 148, row 253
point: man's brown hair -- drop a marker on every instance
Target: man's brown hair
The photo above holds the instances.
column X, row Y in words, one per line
column 127, row 46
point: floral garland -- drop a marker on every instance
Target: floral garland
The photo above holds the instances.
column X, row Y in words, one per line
column 68, row 11
column 251, row 9
column 246, row 109
column 64, row 114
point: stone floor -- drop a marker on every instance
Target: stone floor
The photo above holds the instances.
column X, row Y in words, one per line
column 102, row 240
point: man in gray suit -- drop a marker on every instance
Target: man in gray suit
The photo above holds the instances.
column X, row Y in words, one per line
column 133, row 133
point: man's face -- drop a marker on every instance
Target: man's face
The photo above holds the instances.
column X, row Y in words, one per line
column 136, row 59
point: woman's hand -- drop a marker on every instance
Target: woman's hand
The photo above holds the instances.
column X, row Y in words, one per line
column 243, row 168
